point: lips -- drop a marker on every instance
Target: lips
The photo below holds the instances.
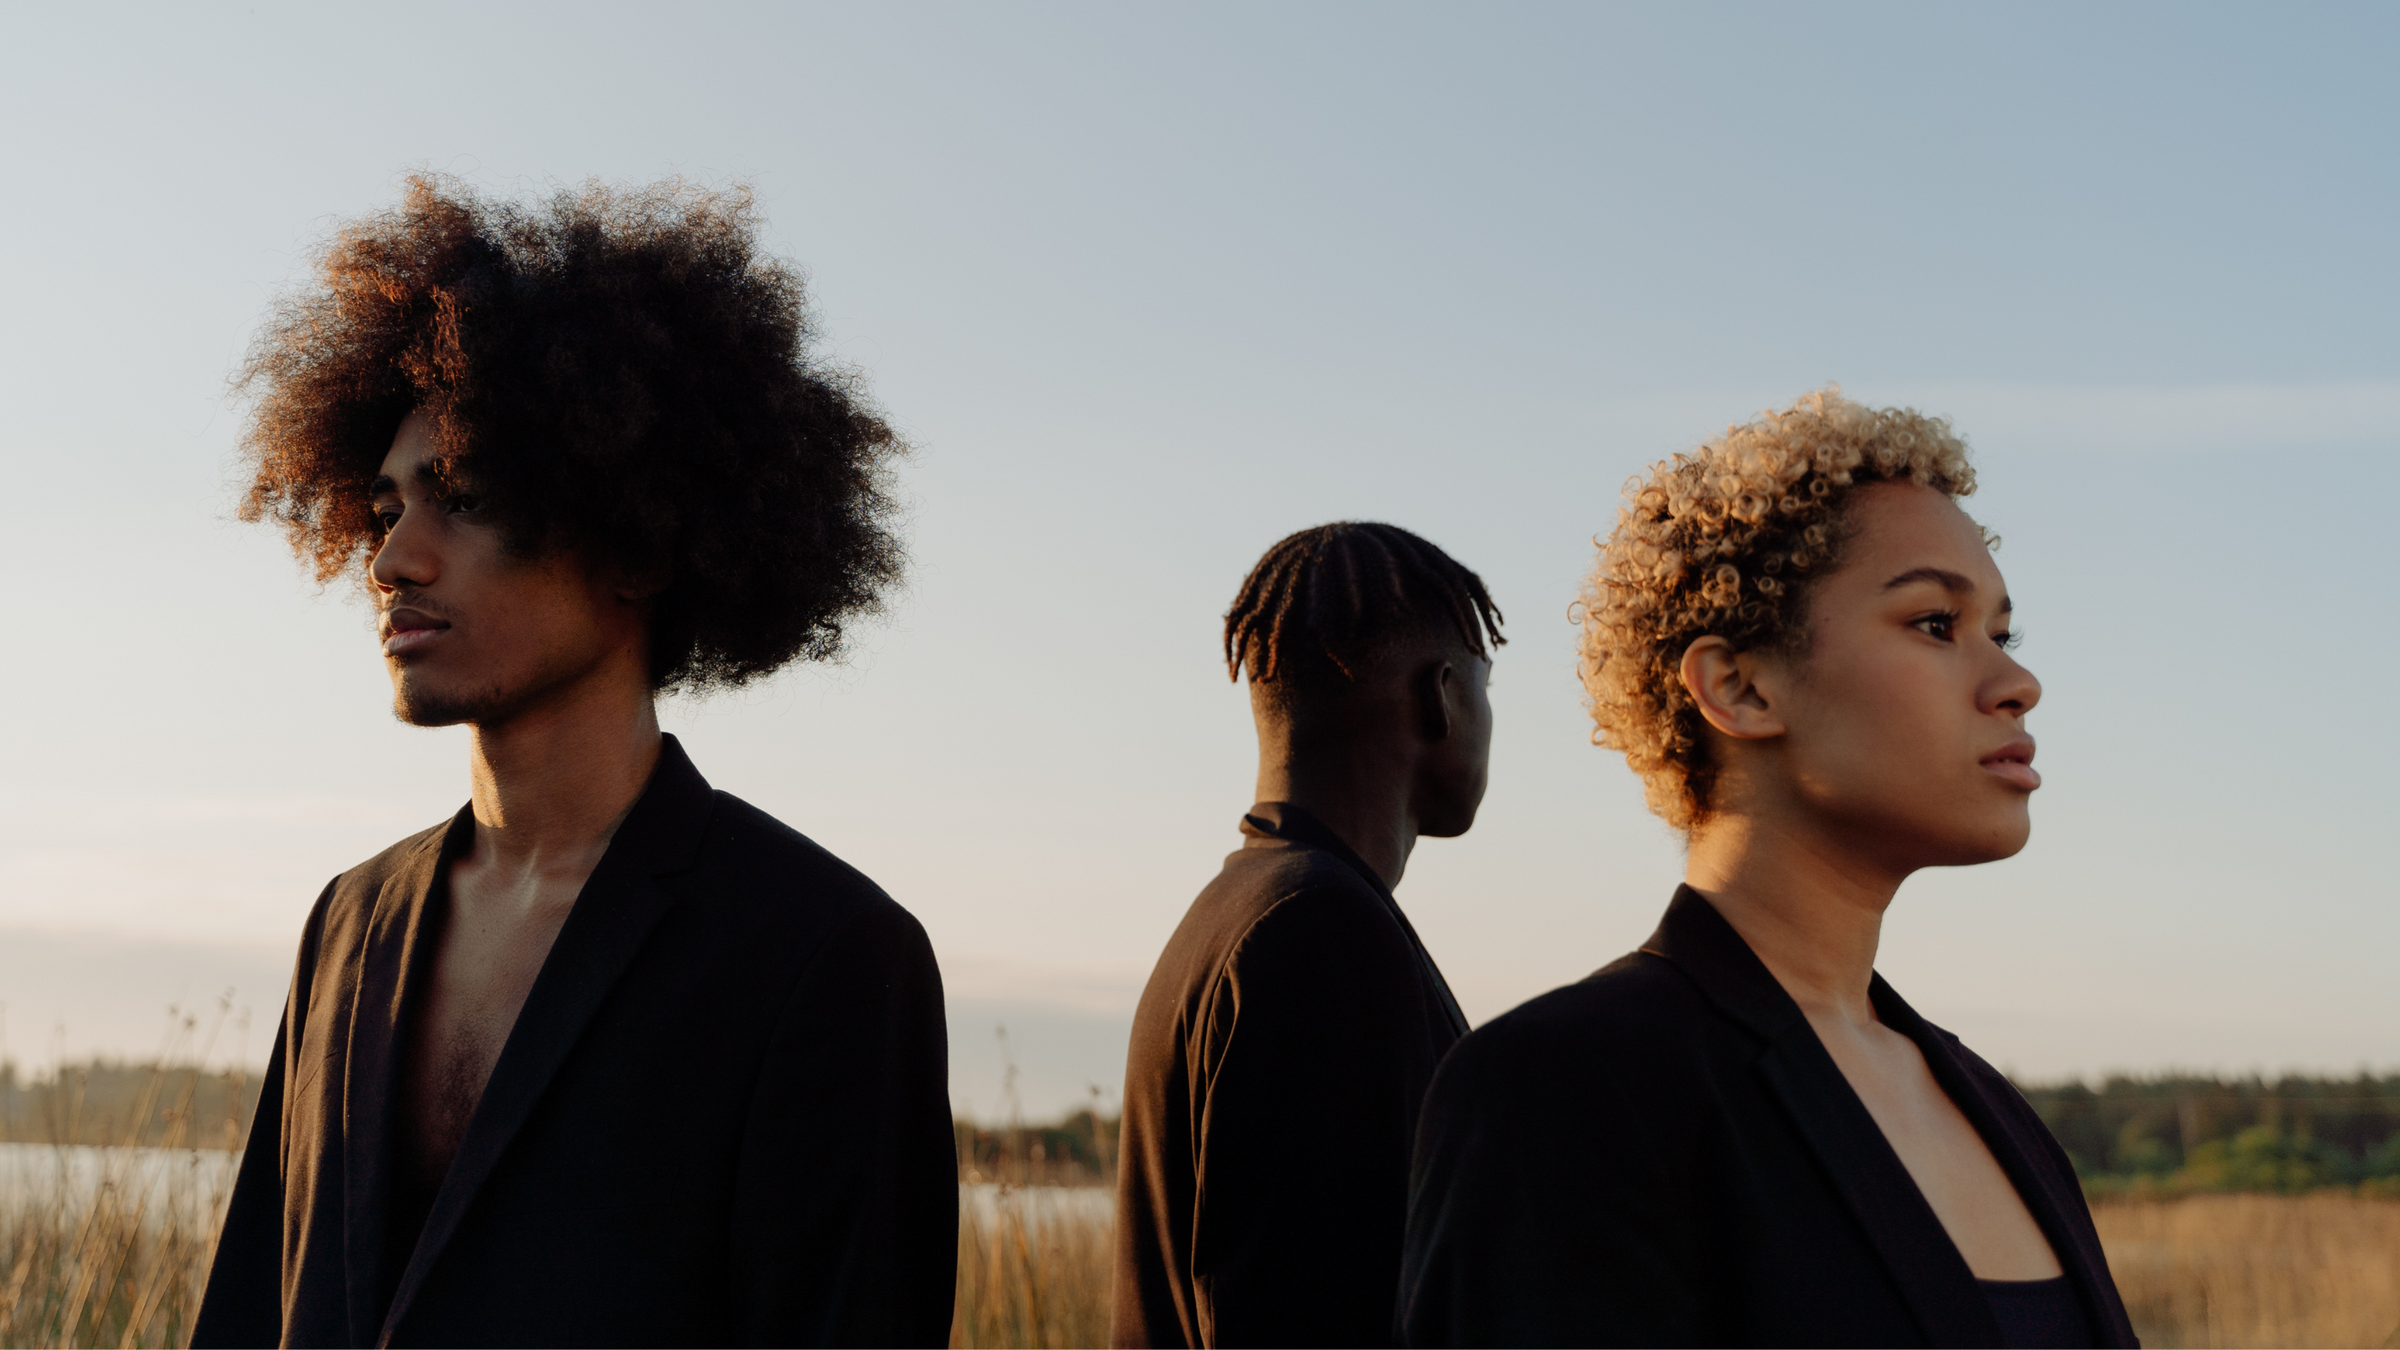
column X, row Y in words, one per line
column 2013, row 764
column 409, row 630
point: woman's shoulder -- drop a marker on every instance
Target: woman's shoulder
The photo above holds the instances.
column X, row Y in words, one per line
column 1636, row 1025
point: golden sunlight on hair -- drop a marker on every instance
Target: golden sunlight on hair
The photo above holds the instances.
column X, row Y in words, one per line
column 1724, row 541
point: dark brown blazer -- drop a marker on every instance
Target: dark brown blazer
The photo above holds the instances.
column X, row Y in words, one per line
column 721, row 1119
column 1664, row 1154
column 1271, row 1090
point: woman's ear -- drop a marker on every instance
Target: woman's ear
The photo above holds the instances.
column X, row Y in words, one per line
column 1724, row 684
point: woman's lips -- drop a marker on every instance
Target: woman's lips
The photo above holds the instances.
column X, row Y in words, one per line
column 2013, row 764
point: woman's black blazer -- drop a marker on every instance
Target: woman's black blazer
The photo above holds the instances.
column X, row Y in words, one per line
column 1664, row 1154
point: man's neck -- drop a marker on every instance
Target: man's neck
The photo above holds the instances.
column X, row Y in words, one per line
column 1813, row 915
column 1365, row 804
column 552, row 783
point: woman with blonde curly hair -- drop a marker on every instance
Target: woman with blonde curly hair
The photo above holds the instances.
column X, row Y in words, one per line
column 1739, row 1134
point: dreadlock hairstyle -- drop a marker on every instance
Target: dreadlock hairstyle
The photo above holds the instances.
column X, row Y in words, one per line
column 1331, row 601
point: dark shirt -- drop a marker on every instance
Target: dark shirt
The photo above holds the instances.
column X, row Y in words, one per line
column 722, row 1117
column 1664, row 1154
column 2038, row 1314
column 1278, row 1059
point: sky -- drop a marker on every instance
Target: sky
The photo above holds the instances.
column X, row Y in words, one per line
column 1148, row 287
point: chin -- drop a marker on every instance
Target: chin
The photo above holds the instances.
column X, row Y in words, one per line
column 418, row 704
column 1968, row 843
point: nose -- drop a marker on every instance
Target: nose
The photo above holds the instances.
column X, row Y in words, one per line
column 2012, row 688
column 406, row 555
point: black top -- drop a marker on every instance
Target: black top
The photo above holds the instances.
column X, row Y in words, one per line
column 722, row 1117
column 1664, row 1154
column 2038, row 1314
column 1278, row 1058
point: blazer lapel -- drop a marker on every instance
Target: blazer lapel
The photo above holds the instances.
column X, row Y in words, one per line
column 2042, row 1189
column 619, row 906
column 1925, row 1265
column 391, row 967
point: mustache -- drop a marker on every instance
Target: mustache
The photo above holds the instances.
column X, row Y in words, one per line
column 411, row 599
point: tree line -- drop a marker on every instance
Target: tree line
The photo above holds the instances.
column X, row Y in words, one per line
column 2166, row 1134
column 2179, row 1133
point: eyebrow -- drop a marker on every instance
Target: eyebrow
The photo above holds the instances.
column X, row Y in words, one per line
column 384, row 482
column 1948, row 580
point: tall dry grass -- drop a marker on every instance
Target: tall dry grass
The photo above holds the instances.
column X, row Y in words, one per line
column 1036, row 1218
column 108, row 1243
column 110, row 1246
column 1033, row 1266
column 2257, row 1270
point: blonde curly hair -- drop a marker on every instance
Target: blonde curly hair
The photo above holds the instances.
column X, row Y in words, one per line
column 1724, row 541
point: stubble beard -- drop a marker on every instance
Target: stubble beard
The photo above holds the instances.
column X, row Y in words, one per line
column 418, row 703
column 420, row 707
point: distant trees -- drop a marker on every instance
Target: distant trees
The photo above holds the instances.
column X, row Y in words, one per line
column 2185, row 1133
column 106, row 1102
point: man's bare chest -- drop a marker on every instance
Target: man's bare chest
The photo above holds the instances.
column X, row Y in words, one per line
column 459, row 1023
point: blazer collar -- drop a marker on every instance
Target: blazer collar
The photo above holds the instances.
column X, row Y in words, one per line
column 394, row 961
column 618, row 907
column 1933, row 1279
column 1269, row 822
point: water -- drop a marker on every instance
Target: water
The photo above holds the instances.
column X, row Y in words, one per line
column 162, row 1185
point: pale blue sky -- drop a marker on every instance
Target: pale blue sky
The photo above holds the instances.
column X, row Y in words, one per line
column 1151, row 287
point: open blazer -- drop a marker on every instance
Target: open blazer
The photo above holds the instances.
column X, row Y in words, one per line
column 1278, row 1058
column 721, row 1119
column 1664, row 1154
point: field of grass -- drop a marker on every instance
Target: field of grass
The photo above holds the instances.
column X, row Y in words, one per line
column 108, row 1246
column 2263, row 1270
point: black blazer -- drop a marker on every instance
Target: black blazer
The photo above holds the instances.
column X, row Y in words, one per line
column 1664, row 1154
column 721, row 1119
column 1278, row 1058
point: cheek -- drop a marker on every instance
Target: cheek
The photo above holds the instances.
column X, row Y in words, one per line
column 1881, row 727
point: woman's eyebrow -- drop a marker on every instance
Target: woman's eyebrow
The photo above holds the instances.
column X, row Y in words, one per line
column 1953, row 582
column 1949, row 581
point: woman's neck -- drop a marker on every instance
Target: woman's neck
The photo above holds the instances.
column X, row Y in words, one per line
column 1812, row 913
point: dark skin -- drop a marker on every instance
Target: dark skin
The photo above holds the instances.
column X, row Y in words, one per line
column 545, row 661
column 1403, row 752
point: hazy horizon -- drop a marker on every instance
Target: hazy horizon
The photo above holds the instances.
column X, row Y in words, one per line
column 1149, row 289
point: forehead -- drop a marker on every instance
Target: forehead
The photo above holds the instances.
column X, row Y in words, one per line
column 1898, row 527
column 412, row 445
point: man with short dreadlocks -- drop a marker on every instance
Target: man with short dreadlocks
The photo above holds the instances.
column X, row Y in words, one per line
column 1294, row 1020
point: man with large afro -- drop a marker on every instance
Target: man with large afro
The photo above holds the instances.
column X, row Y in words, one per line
column 608, row 1057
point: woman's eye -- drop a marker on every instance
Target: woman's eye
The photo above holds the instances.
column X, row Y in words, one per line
column 463, row 504
column 2008, row 639
column 387, row 517
column 1938, row 626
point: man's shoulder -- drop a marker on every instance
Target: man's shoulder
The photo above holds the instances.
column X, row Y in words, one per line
column 1295, row 882
column 759, row 864
column 1276, row 904
column 1290, row 900
column 360, row 885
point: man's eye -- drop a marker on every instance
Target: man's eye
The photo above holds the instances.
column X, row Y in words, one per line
column 464, row 503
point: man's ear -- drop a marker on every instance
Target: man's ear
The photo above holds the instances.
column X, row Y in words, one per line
column 1440, row 690
column 1724, row 684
